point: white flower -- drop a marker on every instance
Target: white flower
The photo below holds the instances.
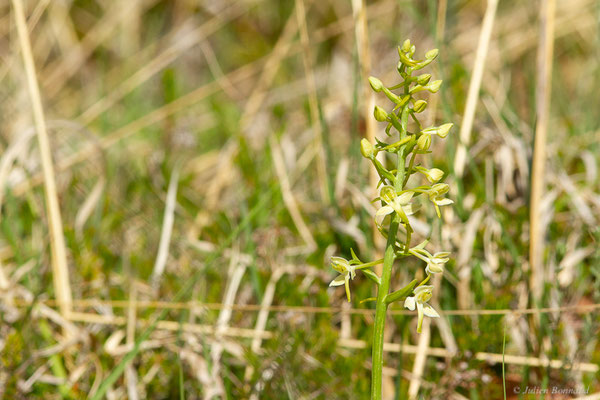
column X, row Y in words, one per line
column 422, row 295
column 435, row 263
column 398, row 203
column 346, row 271
column 436, row 195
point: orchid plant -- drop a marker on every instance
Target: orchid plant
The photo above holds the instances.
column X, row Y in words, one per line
column 398, row 201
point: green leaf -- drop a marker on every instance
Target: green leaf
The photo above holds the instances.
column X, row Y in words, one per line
column 372, row 276
column 401, row 294
column 354, row 257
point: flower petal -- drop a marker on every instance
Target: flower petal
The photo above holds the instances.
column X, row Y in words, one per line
column 434, row 268
column 429, row 311
column 338, row 281
column 339, row 264
column 410, row 303
column 420, row 315
column 385, row 210
column 404, row 198
column 423, row 288
column 443, row 202
column 348, row 290
column 410, row 209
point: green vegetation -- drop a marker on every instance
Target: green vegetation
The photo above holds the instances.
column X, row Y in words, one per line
column 210, row 104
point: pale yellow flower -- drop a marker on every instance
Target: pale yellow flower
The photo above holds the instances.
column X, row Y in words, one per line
column 436, row 195
column 395, row 203
column 346, row 271
column 435, row 262
column 422, row 295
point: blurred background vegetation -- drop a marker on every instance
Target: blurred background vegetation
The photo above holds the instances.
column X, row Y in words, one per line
column 207, row 164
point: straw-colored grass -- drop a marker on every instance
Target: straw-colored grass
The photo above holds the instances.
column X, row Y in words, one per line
column 197, row 164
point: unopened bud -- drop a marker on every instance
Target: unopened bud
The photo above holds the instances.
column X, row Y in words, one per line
column 367, row 149
column 376, row 84
column 406, row 46
column 423, row 79
column 434, row 175
column 419, row 106
column 412, row 51
column 431, row 54
column 380, row 114
column 434, row 86
column 444, row 129
column 424, row 142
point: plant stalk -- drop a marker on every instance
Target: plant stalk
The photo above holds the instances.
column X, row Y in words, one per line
column 380, row 313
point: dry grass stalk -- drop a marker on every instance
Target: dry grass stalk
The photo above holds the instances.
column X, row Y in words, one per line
column 57, row 74
column 167, row 228
column 520, row 36
column 543, row 87
column 237, row 76
column 420, row 360
column 183, row 43
column 425, row 337
column 577, row 309
column 474, row 86
column 313, row 101
column 173, row 326
column 235, row 274
column 131, row 377
column 440, row 28
column 492, row 358
column 263, row 315
column 288, row 196
column 60, row 273
column 361, row 32
column 269, row 70
column 88, row 206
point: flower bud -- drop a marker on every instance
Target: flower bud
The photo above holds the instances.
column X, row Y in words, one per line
column 431, row 54
column 376, row 84
column 443, row 130
column 424, row 142
column 406, row 46
column 434, row 86
column 419, row 106
column 367, row 149
column 434, row 175
column 423, row 79
column 380, row 114
column 412, row 51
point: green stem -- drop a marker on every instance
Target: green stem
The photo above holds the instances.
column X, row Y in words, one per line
column 410, row 168
column 380, row 312
column 398, row 143
column 369, row 264
column 409, row 232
